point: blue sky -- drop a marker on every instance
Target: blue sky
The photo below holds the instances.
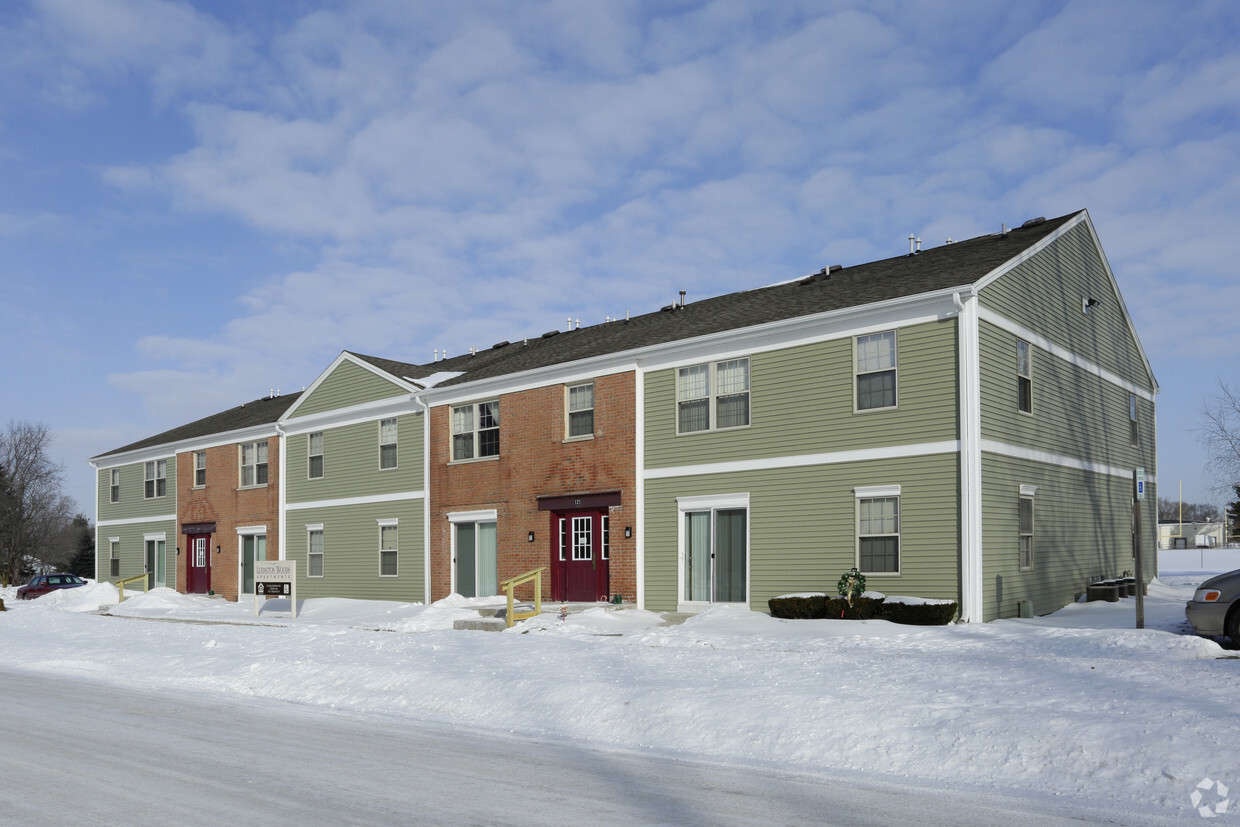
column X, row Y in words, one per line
column 200, row 202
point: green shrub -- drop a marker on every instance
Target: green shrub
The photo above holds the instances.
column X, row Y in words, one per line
column 938, row 613
column 864, row 607
column 799, row 606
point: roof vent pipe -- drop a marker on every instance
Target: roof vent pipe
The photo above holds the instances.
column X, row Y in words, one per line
column 919, row 244
column 682, row 298
column 911, row 240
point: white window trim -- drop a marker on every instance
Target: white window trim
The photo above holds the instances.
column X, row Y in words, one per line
column 310, row 529
column 1019, row 376
column 710, row 502
column 1027, row 492
column 114, row 485
column 486, row 515
column 878, row 492
column 322, row 455
column 712, row 394
column 155, row 479
column 203, row 469
column 895, row 369
column 452, row 458
column 250, row 530
column 241, row 465
column 396, row 444
column 1134, row 426
column 568, row 413
column 382, row 523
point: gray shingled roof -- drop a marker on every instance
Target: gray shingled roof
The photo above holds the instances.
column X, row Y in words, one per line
column 259, row 412
column 938, row 268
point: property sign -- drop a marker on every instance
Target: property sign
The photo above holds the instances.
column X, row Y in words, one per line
column 1140, row 483
column 275, row 578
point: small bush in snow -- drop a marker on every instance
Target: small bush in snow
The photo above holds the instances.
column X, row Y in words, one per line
column 799, row 606
column 921, row 612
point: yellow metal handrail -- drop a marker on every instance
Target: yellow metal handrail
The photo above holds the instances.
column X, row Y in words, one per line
column 535, row 576
column 120, row 584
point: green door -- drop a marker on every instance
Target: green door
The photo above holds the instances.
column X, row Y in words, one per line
column 253, row 549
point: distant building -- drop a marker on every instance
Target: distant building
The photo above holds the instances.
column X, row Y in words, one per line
column 1190, row 535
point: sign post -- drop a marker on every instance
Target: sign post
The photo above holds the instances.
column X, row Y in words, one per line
column 1138, row 479
column 275, row 578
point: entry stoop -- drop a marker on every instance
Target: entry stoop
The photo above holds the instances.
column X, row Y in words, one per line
column 481, row 624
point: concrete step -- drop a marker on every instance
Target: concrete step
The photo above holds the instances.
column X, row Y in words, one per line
column 481, row 624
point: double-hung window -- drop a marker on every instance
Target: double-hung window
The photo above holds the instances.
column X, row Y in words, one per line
column 580, row 414
column 314, row 454
column 878, row 529
column 387, row 443
column 156, row 478
column 254, row 463
column 388, row 548
column 1024, row 376
column 1134, row 434
column 200, row 469
column 114, row 556
column 1026, row 526
column 712, row 396
column 876, row 370
column 114, row 487
column 314, row 546
column 475, row 430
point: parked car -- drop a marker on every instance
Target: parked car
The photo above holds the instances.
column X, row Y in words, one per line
column 1215, row 609
column 41, row 584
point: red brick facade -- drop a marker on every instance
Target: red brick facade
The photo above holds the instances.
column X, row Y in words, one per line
column 536, row 461
column 222, row 502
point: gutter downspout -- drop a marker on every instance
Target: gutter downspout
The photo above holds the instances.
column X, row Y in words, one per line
column 639, row 462
column 421, row 402
column 972, row 593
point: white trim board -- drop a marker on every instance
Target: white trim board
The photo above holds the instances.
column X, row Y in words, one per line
column 376, row 498
column 1004, row 449
column 950, row 446
column 137, row 520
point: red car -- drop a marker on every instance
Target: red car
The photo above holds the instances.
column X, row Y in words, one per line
column 41, row 584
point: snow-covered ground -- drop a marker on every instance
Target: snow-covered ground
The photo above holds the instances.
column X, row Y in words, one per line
column 1078, row 703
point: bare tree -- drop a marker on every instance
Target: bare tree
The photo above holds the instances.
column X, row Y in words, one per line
column 1219, row 434
column 35, row 515
column 1174, row 511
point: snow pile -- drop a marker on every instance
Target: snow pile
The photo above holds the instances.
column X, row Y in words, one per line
column 1078, row 703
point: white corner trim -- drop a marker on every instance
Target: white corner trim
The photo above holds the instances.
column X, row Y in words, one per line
column 865, row 492
column 1028, row 490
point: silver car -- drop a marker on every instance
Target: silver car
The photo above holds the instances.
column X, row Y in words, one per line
column 1215, row 609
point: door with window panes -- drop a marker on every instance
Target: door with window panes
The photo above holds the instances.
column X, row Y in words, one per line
column 198, row 564
column 581, row 556
column 253, row 550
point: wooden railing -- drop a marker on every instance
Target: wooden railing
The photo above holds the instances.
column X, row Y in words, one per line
column 146, row 587
column 533, row 576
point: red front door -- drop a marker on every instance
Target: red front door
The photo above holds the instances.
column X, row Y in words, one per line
column 580, row 556
column 198, row 566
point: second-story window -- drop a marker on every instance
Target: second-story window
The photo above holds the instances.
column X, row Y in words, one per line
column 712, row 396
column 876, row 371
column 254, row 463
column 1024, row 376
column 156, row 478
column 475, row 431
column 580, row 401
column 1134, row 434
column 114, row 489
column 314, row 466
column 387, row 443
column 200, row 469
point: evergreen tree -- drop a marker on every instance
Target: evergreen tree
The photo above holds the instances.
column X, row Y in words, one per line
column 83, row 562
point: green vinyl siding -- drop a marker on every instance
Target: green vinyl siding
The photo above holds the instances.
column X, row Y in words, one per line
column 801, row 402
column 351, row 462
column 131, row 550
column 351, row 551
column 802, row 527
column 349, row 384
column 1044, row 295
column 1075, row 412
column 1082, row 532
column 133, row 502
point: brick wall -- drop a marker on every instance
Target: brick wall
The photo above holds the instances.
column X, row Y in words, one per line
column 535, row 461
column 222, row 503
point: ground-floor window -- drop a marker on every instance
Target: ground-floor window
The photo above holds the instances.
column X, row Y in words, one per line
column 714, row 549
column 878, row 529
column 114, row 557
column 474, row 553
column 388, row 548
column 1026, row 525
column 316, row 551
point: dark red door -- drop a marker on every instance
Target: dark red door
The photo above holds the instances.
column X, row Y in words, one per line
column 581, row 557
column 198, row 566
